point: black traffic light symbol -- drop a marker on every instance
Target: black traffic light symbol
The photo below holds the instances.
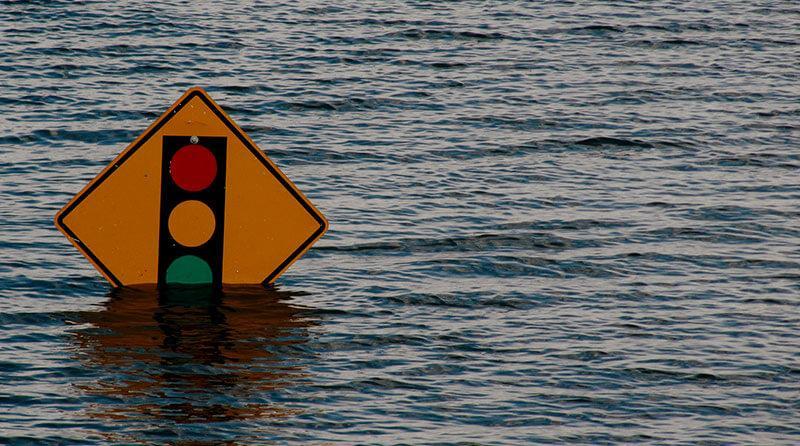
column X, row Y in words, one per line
column 192, row 210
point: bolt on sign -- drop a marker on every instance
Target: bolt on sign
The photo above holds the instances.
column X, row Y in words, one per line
column 192, row 201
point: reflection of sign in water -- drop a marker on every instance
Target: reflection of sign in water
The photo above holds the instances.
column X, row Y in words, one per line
column 191, row 201
column 190, row 356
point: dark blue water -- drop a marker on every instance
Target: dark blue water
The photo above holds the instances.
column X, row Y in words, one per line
column 550, row 223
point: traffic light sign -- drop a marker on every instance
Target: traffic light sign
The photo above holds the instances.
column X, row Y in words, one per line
column 191, row 201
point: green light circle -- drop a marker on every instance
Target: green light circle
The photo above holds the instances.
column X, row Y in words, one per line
column 189, row 270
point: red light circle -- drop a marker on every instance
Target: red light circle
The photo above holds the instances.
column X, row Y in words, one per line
column 193, row 167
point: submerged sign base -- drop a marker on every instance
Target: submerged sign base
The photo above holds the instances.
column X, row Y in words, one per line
column 191, row 201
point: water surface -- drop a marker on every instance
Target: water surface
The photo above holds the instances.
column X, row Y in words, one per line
column 550, row 223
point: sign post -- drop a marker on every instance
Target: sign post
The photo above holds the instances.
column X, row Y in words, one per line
column 192, row 201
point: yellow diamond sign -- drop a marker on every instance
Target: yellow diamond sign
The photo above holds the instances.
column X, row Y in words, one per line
column 192, row 201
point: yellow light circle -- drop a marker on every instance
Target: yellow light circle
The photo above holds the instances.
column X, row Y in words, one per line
column 191, row 223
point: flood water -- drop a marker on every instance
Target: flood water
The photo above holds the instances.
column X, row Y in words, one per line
column 551, row 222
